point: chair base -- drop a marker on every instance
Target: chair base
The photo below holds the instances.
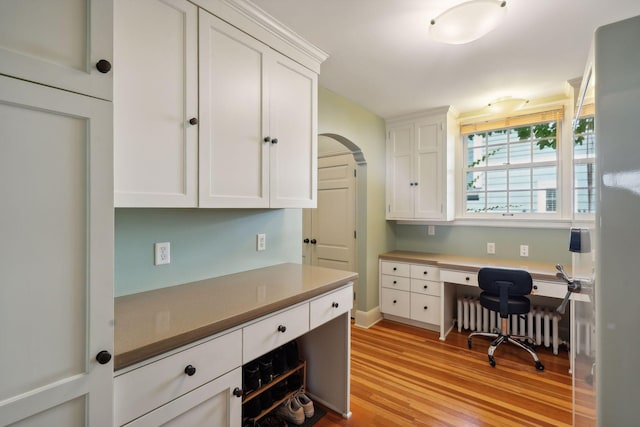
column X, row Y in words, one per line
column 499, row 338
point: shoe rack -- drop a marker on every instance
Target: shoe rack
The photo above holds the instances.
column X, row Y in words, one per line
column 301, row 367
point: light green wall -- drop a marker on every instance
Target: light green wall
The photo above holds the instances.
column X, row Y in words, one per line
column 338, row 115
column 204, row 243
column 545, row 245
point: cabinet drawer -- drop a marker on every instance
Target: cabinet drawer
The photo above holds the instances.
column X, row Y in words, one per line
column 396, row 268
column 425, row 308
column 425, row 272
column 395, row 302
column 266, row 334
column 460, row 277
column 330, row 306
column 425, row 287
column 141, row 390
column 394, row 282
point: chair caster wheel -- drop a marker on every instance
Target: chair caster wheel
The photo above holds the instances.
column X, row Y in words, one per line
column 539, row 366
column 469, row 343
column 492, row 362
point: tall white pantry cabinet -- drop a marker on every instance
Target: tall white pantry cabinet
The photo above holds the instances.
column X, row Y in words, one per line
column 56, row 221
column 215, row 116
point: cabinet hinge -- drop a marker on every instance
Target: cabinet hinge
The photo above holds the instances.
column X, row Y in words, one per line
column 441, row 126
column 354, row 234
column 354, row 173
column 389, row 209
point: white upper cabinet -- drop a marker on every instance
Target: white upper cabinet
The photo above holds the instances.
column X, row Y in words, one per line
column 59, row 43
column 225, row 122
column 156, row 103
column 420, row 156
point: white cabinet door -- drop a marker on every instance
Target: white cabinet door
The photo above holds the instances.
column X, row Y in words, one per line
column 156, row 98
column 428, row 170
column 400, row 162
column 234, row 157
column 293, row 123
column 58, row 43
column 56, row 263
column 213, row 404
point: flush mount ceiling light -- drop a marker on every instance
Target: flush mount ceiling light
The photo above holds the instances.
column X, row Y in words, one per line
column 506, row 105
column 467, row 21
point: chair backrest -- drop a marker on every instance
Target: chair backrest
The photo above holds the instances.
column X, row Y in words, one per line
column 516, row 282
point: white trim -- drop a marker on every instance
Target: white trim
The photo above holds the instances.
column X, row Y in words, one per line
column 366, row 319
column 504, row 223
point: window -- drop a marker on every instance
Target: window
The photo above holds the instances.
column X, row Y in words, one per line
column 511, row 166
column 584, row 163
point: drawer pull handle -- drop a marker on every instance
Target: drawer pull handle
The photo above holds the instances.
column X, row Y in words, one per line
column 237, row 392
column 395, row 281
column 190, row 370
column 282, row 328
column 426, row 287
column 334, row 305
column 535, row 286
column 426, row 272
column 426, row 308
column 394, row 268
column 395, row 301
column 467, row 278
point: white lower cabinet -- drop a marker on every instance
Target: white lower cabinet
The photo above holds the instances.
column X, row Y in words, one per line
column 152, row 390
column 410, row 291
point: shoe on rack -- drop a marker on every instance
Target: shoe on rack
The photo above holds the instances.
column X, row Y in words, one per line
column 306, row 403
column 291, row 411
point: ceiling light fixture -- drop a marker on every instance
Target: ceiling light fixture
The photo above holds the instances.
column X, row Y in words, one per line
column 506, row 105
column 467, row 21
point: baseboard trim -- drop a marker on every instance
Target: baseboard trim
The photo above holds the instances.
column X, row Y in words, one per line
column 366, row 319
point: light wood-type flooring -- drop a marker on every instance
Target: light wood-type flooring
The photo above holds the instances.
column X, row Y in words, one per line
column 405, row 376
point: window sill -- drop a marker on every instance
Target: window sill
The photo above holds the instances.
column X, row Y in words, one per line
column 507, row 223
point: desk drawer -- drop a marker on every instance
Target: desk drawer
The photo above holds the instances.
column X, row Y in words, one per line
column 460, row 277
column 425, row 272
column 394, row 282
column 425, row 308
column 330, row 306
column 426, row 287
column 150, row 386
column 395, row 268
column 549, row 289
column 395, row 302
column 265, row 335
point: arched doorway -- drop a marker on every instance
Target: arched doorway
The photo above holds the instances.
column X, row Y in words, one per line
column 333, row 232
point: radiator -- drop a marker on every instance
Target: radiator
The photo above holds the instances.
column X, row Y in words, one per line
column 540, row 324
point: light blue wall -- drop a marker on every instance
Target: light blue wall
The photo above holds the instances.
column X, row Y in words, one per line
column 204, row 243
column 545, row 245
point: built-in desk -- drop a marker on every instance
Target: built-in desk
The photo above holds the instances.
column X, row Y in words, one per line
column 405, row 275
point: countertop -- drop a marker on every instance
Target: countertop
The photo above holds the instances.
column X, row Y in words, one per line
column 150, row 323
column 538, row 270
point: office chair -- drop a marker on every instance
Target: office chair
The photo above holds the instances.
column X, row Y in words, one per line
column 504, row 291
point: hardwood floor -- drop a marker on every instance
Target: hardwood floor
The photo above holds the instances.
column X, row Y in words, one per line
column 406, row 376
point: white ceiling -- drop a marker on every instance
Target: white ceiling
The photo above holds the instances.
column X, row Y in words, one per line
column 382, row 58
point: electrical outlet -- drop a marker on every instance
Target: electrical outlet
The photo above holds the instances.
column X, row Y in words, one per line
column 524, row 250
column 431, row 230
column 491, row 248
column 162, row 253
column 261, row 242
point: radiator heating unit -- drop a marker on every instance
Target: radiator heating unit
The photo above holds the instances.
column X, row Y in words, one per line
column 540, row 324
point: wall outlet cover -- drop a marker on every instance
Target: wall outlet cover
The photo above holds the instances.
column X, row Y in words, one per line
column 162, row 253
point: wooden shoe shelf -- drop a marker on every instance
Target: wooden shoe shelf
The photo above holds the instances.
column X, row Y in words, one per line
column 301, row 367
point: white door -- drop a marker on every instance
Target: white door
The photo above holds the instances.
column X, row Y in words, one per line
column 293, row 123
column 156, row 98
column 58, row 43
column 332, row 238
column 56, row 260
column 234, row 158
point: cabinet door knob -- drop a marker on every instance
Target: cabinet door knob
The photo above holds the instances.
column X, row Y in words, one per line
column 411, row 184
column 425, row 307
column 190, row 370
column 103, row 66
column 305, row 241
column 274, row 141
column 103, row 357
column 395, row 301
column 334, row 305
column 415, row 183
column 237, row 392
column 267, row 139
column 282, row 328
column 193, row 121
column 314, row 241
